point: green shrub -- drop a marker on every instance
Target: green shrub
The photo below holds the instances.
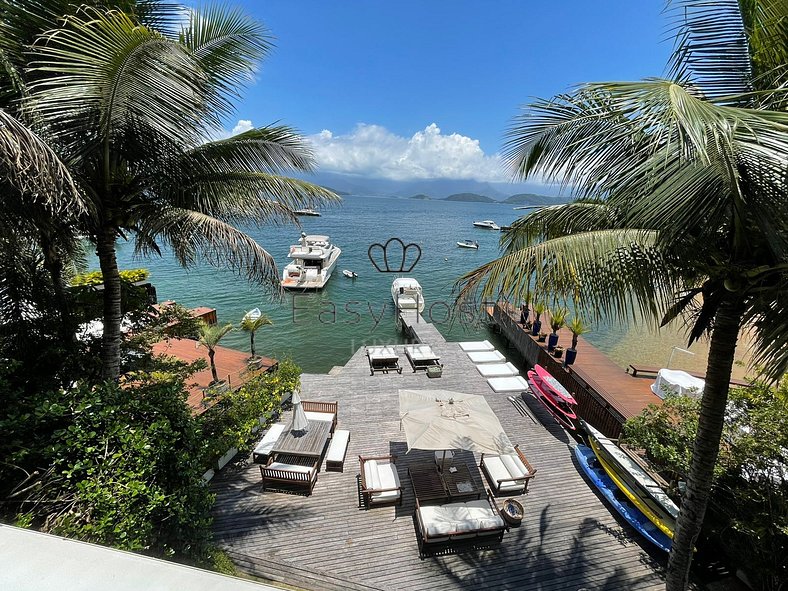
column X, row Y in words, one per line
column 97, row 278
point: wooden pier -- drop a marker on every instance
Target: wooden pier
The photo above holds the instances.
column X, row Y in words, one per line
column 569, row 539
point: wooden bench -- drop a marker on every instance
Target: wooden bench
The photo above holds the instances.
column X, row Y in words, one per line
column 290, row 473
column 263, row 449
column 651, row 369
column 335, row 457
column 311, row 406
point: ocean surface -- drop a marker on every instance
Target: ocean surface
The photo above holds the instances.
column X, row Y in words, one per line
column 322, row 329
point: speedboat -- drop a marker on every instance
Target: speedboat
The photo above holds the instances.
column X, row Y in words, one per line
column 308, row 211
column 553, row 396
column 487, row 225
column 406, row 293
column 632, row 480
column 313, row 261
column 253, row 315
column 349, row 273
column 468, row 244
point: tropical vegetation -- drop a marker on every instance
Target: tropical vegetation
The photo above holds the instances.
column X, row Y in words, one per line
column 209, row 337
column 252, row 325
column 682, row 212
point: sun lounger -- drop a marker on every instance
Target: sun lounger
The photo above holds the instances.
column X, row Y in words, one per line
column 383, row 359
column 508, row 473
column 266, row 444
column 380, row 484
column 497, row 370
column 421, row 357
column 510, row 384
column 470, row 346
column 487, row 357
column 335, row 456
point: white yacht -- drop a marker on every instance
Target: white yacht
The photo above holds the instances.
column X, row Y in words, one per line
column 406, row 293
column 307, row 211
column 468, row 244
column 314, row 259
column 487, row 224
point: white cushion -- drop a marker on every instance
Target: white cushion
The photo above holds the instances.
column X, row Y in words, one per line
column 293, row 468
column 388, row 478
column 515, row 468
column 319, row 416
column 497, row 470
column 487, row 357
column 420, row 352
column 336, row 451
column 371, row 478
column 441, row 520
column 497, row 370
column 469, row 346
column 266, row 444
column 510, row 384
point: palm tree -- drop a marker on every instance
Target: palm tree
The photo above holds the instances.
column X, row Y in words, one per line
column 252, row 325
column 685, row 209
column 129, row 107
column 210, row 335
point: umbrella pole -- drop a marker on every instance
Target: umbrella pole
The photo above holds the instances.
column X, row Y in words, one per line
column 443, row 461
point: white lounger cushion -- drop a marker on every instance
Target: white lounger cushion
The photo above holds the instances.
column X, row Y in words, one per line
column 319, row 416
column 379, row 353
column 293, row 468
column 380, row 474
column 497, row 470
column 266, row 444
column 510, row 384
column 487, row 357
column 469, row 346
column 497, row 370
column 336, row 451
column 441, row 520
column 420, row 352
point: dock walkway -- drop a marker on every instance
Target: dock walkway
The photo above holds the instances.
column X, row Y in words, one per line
column 568, row 539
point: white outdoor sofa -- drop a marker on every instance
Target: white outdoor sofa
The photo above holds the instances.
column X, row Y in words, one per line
column 476, row 523
column 509, row 473
column 380, row 484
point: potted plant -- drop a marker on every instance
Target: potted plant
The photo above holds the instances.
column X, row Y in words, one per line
column 542, row 337
column 251, row 323
column 557, row 320
column 537, row 325
column 578, row 327
column 558, row 352
column 210, row 335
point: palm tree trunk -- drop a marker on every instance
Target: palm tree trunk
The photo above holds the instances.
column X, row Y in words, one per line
column 113, row 312
column 707, row 444
column 251, row 336
column 214, row 375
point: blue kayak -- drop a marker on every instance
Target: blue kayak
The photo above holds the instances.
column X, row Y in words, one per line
column 635, row 518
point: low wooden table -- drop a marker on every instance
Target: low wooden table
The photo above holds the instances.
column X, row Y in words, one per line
column 309, row 443
column 427, row 483
column 459, row 484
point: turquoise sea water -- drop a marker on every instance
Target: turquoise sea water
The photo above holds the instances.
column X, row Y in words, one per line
column 323, row 329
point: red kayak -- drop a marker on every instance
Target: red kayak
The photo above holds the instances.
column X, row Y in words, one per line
column 554, row 385
column 556, row 405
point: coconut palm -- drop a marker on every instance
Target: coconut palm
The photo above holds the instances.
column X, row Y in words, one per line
column 130, row 108
column 209, row 337
column 685, row 210
column 252, row 325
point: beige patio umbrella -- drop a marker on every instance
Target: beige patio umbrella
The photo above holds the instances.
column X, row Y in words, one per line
column 442, row 419
column 300, row 422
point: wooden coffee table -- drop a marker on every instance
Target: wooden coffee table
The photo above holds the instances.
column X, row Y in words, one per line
column 427, row 483
column 459, row 484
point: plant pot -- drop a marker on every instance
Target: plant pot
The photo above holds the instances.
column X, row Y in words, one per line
column 552, row 341
column 542, row 337
column 571, row 355
column 536, row 327
column 558, row 352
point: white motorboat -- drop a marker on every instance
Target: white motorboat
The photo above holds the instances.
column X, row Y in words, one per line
column 468, row 244
column 308, row 211
column 253, row 315
column 406, row 293
column 349, row 273
column 487, row 225
column 314, row 259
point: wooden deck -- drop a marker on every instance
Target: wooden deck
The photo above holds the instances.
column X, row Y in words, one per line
column 231, row 365
column 568, row 538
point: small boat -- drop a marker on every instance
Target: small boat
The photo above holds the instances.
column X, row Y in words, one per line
column 349, row 273
column 253, row 315
column 406, row 293
column 596, row 473
column 468, row 244
column 314, row 259
column 307, row 211
column 487, row 224
column 632, row 480
column 556, row 405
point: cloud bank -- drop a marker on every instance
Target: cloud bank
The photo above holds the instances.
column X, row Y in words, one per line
column 372, row 150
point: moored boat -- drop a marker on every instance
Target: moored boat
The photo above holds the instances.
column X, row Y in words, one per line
column 468, row 244
column 349, row 273
column 556, row 405
column 314, row 259
column 554, row 385
column 596, row 473
column 407, row 295
column 307, row 211
column 253, row 315
column 638, row 486
column 487, row 225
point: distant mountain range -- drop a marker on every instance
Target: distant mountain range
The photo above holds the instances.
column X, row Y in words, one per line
column 435, row 188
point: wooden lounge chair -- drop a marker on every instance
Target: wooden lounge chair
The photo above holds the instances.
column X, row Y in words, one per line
column 290, row 473
column 450, row 526
column 383, row 359
column 421, row 357
column 509, row 473
column 380, row 484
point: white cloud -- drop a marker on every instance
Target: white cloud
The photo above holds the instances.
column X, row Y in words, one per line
column 242, row 126
column 372, row 150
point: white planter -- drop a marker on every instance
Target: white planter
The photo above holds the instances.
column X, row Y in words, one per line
column 225, row 459
column 208, row 475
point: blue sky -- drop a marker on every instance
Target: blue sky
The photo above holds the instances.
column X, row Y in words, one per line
column 432, row 85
